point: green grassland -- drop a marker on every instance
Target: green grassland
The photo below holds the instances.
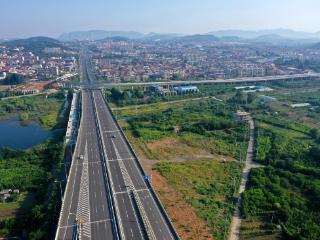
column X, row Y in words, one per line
column 176, row 135
column 209, row 186
column 206, row 124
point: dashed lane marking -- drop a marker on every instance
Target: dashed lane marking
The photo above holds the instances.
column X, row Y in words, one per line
column 87, row 223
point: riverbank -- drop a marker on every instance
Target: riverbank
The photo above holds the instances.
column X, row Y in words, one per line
column 34, row 171
column 41, row 109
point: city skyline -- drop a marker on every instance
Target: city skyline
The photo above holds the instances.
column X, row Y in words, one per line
column 46, row 18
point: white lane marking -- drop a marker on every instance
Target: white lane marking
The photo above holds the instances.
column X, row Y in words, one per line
column 80, row 164
column 127, row 192
column 83, row 208
column 113, row 131
column 93, row 222
column 119, row 159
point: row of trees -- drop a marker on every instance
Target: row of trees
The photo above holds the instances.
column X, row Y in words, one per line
column 243, row 98
column 115, row 95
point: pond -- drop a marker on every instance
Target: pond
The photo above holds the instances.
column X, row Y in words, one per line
column 17, row 135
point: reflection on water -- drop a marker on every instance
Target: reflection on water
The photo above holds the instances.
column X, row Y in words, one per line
column 21, row 135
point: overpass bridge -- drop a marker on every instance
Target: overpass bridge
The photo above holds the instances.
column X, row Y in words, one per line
column 218, row 81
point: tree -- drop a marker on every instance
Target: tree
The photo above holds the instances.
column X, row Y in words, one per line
column 251, row 97
column 240, row 97
column 175, row 76
column 116, row 95
column 315, row 152
column 14, row 79
column 314, row 133
column 24, row 116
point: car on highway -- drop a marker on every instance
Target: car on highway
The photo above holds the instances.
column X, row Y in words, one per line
column 81, row 157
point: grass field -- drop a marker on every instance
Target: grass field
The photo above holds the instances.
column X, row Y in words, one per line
column 8, row 210
column 201, row 168
column 209, row 187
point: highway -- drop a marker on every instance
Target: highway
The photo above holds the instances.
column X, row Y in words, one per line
column 127, row 176
column 86, row 195
column 106, row 196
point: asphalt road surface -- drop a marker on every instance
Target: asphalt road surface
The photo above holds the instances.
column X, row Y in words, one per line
column 86, row 195
column 106, row 195
column 117, row 151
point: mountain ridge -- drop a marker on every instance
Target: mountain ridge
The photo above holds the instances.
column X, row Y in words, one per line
column 248, row 34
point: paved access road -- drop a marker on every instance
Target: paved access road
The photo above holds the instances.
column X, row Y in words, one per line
column 249, row 164
column 125, row 171
column 86, row 195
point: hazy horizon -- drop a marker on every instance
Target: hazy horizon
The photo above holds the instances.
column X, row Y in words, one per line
column 53, row 18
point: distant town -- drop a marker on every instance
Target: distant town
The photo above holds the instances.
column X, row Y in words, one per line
column 196, row 58
column 48, row 69
column 121, row 60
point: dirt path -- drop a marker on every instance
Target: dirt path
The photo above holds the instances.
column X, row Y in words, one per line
column 236, row 220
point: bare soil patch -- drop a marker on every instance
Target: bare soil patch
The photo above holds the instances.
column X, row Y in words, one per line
column 183, row 216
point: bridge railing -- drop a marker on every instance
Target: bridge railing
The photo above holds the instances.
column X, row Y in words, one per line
column 71, row 165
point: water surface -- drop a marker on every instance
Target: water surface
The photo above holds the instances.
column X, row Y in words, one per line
column 17, row 135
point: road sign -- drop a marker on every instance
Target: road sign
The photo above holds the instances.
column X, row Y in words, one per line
column 147, row 177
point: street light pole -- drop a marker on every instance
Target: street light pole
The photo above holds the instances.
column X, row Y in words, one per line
column 60, row 188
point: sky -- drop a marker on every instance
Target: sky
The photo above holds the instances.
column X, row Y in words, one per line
column 25, row 18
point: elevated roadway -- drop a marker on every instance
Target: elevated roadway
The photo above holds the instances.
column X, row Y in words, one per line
column 87, row 207
column 127, row 176
column 107, row 196
column 218, row 81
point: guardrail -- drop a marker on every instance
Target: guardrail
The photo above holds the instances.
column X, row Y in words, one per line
column 72, row 161
column 154, row 194
column 107, row 175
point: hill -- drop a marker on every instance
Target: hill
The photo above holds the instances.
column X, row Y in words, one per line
column 35, row 44
column 285, row 33
column 161, row 36
column 197, row 39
